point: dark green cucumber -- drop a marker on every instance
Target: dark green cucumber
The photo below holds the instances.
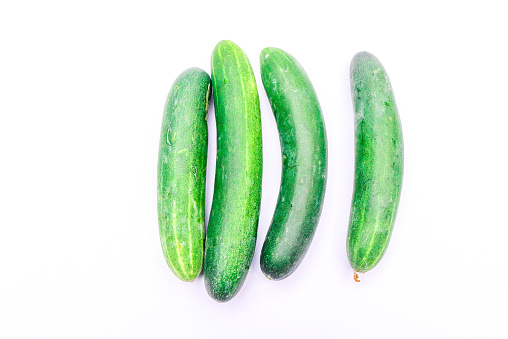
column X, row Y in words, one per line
column 232, row 228
column 304, row 163
column 181, row 173
column 378, row 163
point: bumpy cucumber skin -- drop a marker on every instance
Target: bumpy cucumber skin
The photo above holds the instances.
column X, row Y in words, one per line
column 304, row 163
column 378, row 163
column 181, row 173
column 232, row 228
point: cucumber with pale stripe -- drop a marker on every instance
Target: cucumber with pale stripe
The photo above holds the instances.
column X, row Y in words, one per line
column 232, row 228
column 378, row 163
column 304, row 163
column 181, row 173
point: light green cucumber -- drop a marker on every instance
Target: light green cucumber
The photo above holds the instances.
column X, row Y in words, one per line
column 378, row 163
column 232, row 228
column 304, row 163
column 181, row 173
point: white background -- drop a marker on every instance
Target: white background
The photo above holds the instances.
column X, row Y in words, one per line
column 82, row 89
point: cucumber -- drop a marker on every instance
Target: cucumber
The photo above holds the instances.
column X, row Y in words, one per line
column 232, row 228
column 181, row 173
column 304, row 163
column 378, row 163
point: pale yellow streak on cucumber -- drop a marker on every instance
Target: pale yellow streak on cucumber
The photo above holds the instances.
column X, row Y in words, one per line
column 246, row 121
column 373, row 239
column 219, row 52
column 178, row 247
column 189, row 227
column 370, row 246
column 168, row 257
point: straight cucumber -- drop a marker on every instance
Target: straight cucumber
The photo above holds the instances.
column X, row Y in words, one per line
column 232, row 228
column 378, row 163
column 304, row 163
column 181, row 173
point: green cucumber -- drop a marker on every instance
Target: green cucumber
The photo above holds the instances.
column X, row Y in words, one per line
column 232, row 228
column 304, row 163
column 181, row 173
column 378, row 163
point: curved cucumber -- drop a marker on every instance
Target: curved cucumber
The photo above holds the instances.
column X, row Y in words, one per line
column 232, row 228
column 304, row 163
column 378, row 163
column 181, row 173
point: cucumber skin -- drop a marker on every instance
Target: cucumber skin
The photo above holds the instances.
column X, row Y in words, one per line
column 181, row 173
column 232, row 228
column 304, row 163
column 379, row 154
